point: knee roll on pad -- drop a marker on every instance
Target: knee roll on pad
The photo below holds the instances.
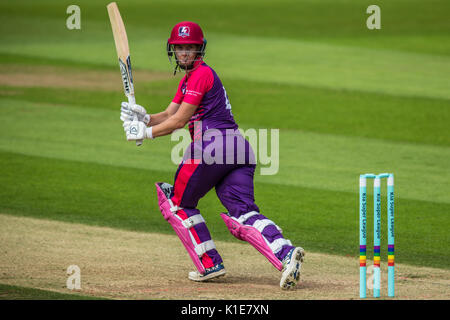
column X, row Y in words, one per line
column 253, row 236
column 182, row 227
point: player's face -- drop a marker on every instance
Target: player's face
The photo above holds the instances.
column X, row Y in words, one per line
column 186, row 53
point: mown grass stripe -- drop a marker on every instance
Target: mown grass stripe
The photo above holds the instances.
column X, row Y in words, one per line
column 125, row 198
column 331, row 111
column 97, row 136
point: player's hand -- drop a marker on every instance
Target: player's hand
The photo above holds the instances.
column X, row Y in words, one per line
column 127, row 113
column 137, row 130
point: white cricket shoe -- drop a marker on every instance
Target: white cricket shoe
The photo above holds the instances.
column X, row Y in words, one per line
column 292, row 265
column 214, row 272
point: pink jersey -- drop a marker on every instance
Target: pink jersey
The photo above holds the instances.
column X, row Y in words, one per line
column 203, row 88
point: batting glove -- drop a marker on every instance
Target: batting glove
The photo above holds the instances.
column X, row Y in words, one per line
column 137, row 130
column 127, row 113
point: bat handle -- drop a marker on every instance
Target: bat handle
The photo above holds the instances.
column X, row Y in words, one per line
column 132, row 101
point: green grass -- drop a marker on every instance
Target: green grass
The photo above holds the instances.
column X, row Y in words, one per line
column 61, row 130
column 292, row 48
column 8, row 292
column 125, row 198
column 406, row 25
column 346, row 100
column 349, row 113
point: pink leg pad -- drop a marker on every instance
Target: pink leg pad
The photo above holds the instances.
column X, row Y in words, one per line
column 252, row 236
column 168, row 211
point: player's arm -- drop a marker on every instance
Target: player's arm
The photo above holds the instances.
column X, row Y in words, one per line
column 129, row 111
column 171, row 109
column 157, row 118
column 176, row 120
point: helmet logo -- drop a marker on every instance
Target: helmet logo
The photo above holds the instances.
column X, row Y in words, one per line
column 183, row 32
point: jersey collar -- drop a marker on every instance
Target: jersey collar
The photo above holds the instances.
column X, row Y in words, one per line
column 196, row 65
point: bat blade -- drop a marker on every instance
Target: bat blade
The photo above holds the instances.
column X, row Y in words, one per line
column 123, row 52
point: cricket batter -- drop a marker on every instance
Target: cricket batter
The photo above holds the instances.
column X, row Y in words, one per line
column 202, row 102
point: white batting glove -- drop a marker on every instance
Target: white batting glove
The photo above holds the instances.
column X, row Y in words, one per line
column 137, row 130
column 127, row 113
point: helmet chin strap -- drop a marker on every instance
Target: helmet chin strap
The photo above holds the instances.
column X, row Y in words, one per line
column 186, row 68
column 176, row 67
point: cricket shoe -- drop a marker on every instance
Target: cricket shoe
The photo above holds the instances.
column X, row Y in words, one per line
column 214, row 272
column 292, row 265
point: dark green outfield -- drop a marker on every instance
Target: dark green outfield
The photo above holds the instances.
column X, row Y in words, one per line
column 403, row 119
column 406, row 25
column 346, row 100
column 321, row 221
column 21, row 293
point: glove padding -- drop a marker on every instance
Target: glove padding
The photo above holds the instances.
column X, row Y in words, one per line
column 137, row 130
column 127, row 113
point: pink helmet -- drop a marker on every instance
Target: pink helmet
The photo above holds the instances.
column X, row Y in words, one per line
column 186, row 32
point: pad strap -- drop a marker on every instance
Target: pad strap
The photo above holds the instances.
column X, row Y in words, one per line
column 261, row 224
column 173, row 208
column 258, row 224
column 192, row 221
column 246, row 216
column 278, row 244
column 201, row 248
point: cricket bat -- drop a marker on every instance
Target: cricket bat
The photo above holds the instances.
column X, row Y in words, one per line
column 123, row 52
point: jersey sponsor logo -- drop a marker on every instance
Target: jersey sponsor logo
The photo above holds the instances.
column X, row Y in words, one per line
column 183, row 32
column 193, row 93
